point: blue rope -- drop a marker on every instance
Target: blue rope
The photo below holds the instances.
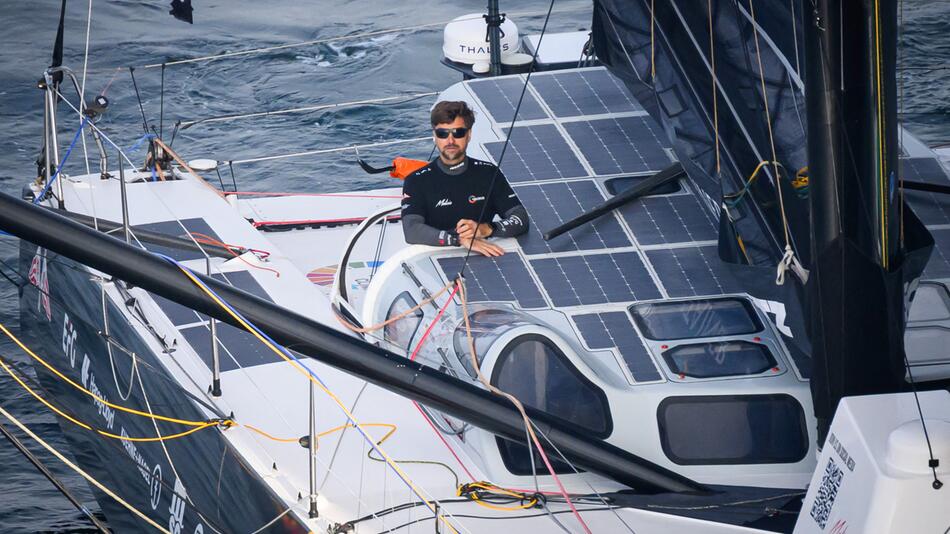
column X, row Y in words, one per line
column 69, row 150
column 290, row 355
column 141, row 140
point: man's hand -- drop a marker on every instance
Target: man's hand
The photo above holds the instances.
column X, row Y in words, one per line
column 467, row 229
column 482, row 247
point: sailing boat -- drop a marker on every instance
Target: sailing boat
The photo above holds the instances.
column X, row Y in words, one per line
column 289, row 364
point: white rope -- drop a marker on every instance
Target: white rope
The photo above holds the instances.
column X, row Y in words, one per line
column 80, row 471
column 330, row 150
column 413, row 96
column 789, row 262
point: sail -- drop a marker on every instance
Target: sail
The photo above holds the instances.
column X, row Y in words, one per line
column 738, row 148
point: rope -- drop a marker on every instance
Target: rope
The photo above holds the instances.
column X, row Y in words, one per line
column 514, row 400
column 287, row 356
column 393, row 319
column 715, row 92
column 438, row 316
column 185, row 422
column 59, row 167
column 86, row 426
column 402, row 99
column 330, row 150
column 208, row 240
column 337, row 195
column 788, row 261
column 80, row 471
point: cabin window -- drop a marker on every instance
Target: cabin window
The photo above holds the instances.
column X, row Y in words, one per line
column 486, row 327
column 696, row 318
column 732, row 429
column 723, row 358
column 533, row 369
column 401, row 332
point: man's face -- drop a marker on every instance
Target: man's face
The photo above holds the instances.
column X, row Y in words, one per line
column 452, row 149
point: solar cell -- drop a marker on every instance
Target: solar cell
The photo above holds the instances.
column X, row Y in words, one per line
column 505, row 278
column 180, row 315
column 614, row 329
column 620, row 145
column 237, row 348
column 692, row 271
column 536, row 153
column 595, row 279
column 552, row 204
column 670, row 219
column 500, row 97
column 591, row 92
column 174, row 228
column 939, row 264
column 931, row 208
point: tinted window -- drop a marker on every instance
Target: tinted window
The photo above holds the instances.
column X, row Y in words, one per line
column 534, row 371
column 400, row 333
column 540, row 376
column 749, row 429
column 695, row 318
column 724, row 358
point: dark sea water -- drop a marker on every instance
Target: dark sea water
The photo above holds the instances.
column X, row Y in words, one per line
column 127, row 32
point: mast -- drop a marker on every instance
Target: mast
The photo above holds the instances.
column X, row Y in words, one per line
column 494, row 20
column 855, row 293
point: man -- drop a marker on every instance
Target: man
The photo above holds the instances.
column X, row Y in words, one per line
column 444, row 201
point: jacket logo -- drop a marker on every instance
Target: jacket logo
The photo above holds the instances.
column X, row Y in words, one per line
column 473, row 199
column 443, row 203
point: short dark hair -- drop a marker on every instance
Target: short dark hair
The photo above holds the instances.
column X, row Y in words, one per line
column 447, row 111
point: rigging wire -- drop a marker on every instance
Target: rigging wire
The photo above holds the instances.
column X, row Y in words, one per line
column 92, row 480
column 296, row 365
column 514, row 400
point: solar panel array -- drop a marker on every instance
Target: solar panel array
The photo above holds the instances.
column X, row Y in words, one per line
column 933, row 209
column 237, row 348
column 575, row 131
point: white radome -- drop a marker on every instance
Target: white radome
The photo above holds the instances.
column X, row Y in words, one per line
column 464, row 39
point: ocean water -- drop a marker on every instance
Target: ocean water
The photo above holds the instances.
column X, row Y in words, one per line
column 127, row 32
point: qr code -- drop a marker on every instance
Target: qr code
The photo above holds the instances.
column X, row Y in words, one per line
column 825, row 499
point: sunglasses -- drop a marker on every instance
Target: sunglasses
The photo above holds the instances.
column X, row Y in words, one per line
column 443, row 133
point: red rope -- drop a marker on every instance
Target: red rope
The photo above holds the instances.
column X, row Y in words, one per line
column 446, row 443
column 208, row 240
column 432, row 324
column 303, row 222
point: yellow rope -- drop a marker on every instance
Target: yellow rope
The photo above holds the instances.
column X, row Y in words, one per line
column 114, row 406
column 86, row 426
column 882, row 183
column 768, row 122
column 392, row 430
column 82, row 473
column 297, row 367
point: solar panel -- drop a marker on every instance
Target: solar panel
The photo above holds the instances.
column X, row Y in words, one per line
column 550, row 205
column 669, row 219
column 931, row 208
column 926, row 170
column 591, row 92
column 620, row 145
column 233, row 345
column 500, row 97
column 939, row 264
column 595, row 279
column 614, row 330
column 536, row 153
column 180, row 315
column 692, row 271
column 174, row 228
column 505, row 278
